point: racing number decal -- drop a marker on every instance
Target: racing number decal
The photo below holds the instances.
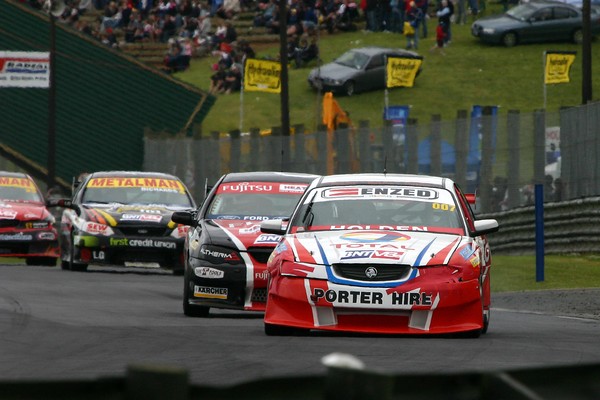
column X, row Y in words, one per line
column 443, row 206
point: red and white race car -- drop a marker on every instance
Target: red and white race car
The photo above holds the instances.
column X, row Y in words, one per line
column 225, row 252
column 26, row 226
column 380, row 253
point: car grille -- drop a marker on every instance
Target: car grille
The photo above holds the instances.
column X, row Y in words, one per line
column 8, row 223
column 385, row 272
column 259, row 295
column 161, row 257
column 260, row 254
column 143, row 231
column 14, row 248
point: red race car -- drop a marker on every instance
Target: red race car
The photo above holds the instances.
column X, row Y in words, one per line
column 26, row 226
column 380, row 253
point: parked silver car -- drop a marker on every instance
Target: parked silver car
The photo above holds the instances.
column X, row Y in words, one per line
column 357, row 70
column 536, row 21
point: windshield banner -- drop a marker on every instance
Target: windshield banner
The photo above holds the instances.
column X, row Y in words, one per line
column 402, row 71
column 17, row 182
column 148, row 183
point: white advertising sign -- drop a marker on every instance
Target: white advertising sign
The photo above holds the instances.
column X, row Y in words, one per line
column 23, row 69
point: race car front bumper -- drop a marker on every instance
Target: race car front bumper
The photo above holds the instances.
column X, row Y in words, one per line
column 240, row 286
column 157, row 252
column 439, row 306
column 29, row 243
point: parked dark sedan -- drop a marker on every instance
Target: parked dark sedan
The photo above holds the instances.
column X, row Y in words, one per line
column 357, row 70
column 536, row 21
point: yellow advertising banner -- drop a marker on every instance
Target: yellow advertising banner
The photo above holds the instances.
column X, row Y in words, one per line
column 402, row 71
column 558, row 66
column 262, row 76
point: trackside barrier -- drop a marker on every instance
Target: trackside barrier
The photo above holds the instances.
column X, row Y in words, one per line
column 569, row 227
column 578, row 382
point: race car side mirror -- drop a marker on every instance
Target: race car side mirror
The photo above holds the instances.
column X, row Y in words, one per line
column 485, row 226
column 184, row 218
column 64, row 203
column 275, row 226
column 58, row 203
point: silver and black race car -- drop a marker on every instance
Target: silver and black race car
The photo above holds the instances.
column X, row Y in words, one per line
column 124, row 218
column 225, row 252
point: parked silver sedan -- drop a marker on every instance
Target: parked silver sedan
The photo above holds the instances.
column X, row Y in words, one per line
column 357, row 70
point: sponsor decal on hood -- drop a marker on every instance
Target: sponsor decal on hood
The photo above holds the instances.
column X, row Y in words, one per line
column 114, row 214
column 375, row 246
column 21, row 211
column 246, row 233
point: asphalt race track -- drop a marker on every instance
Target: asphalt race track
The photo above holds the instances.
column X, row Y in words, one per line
column 57, row 324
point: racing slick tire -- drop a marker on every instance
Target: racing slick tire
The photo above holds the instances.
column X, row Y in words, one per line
column 486, row 321
column 471, row 334
column 66, row 265
column 280, row 330
column 73, row 266
column 195, row 311
column 190, row 310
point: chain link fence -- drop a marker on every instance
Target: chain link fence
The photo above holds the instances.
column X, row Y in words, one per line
column 500, row 157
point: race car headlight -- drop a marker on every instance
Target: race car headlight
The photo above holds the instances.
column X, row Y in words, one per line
column 292, row 268
column 219, row 255
column 465, row 272
column 96, row 229
column 40, row 224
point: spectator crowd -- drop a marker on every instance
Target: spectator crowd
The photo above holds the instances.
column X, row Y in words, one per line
column 187, row 26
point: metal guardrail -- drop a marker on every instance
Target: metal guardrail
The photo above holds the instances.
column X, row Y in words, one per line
column 569, row 227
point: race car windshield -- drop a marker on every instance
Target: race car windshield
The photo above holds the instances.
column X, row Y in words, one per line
column 19, row 193
column 251, row 206
column 394, row 208
column 136, row 190
column 136, row 195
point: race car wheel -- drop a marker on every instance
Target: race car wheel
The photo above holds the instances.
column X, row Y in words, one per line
column 472, row 334
column 195, row 311
column 73, row 266
column 190, row 310
column 279, row 330
column 486, row 321
column 66, row 265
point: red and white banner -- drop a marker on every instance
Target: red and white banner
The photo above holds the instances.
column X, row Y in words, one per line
column 24, row 69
